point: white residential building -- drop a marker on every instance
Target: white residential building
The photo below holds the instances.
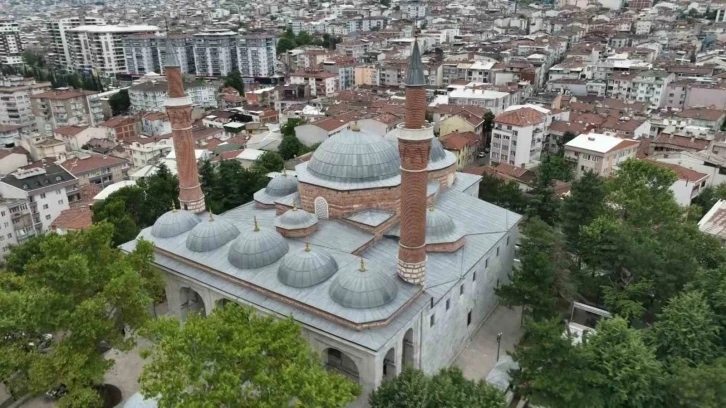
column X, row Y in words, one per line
column 10, row 46
column 15, row 107
column 688, row 185
column 599, row 153
column 517, row 137
column 44, row 186
column 495, row 101
column 60, row 46
column 146, row 53
column 100, row 48
column 651, row 87
column 149, row 96
column 321, row 83
column 147, row 150
column 215, row 52
column 256, row 55
column 16, row 224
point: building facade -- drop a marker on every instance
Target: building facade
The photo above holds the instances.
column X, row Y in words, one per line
column 10, row 46
column 64, row 107
column 149, row 96
column 99, row 48
column 517, row 137
column 60, row 44
column 215, row 53
column 256, row 55
column 598, row 153
column 15, row 103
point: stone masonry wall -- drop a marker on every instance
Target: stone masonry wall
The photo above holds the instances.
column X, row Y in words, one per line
column 343, row 203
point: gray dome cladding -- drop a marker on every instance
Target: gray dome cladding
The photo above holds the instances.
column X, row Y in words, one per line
column 211, row 234
column 256, row 249
column 281, row 185
column 173, row 223
column 363, row 290
column 355, row 157
column 296, row 218
column 306, row 268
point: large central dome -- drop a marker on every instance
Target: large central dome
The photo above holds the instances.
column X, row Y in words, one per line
column 355, row 156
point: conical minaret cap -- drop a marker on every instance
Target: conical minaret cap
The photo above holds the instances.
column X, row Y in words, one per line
column 415, row 75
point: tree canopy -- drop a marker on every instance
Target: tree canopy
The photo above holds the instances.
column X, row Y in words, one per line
column 84, row 292
column 448, row 388
column 236, row 358
column 120, row 102
column 228, row 185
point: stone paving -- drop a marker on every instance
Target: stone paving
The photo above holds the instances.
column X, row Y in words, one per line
column 480, row 355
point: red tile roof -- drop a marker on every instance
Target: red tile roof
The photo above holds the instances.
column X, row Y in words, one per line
column 520, row 117
column 458, row 140
column 685, row 142
column 73, row 219
column 78, row 166
column 70, row 130
column 61, row 94
column 683, row 173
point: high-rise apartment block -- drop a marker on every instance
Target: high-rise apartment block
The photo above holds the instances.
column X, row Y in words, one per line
column 256, row 55
column 215, row 52
column 10, row 46
column 100, row 48
column 146, row 53
column 60, row 55
column 64, row 107
column 15, row 107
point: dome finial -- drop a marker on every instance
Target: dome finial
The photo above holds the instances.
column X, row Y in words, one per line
column 294, row 206
column 355, row 126
column 211, row 216
column 307, row 245
column 362, row 265
column 257, row 227
column 173, row 206
column 431, row 207
column 284, row 173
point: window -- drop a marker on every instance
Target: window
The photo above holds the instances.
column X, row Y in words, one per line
column 60, row 202
column 486, row 263
column 2, row 213
column 468, row 318
column 7, row 224
column 507, row 241
column 473, row 277
column 2, row 238
column 497, row 251
column 57, row 191
column 42, row 195
column 461, row 289
column 45, row 206
column 47, row 217
column 432, row 320
column 10, row 235
column 448, row 303
column 432, row 303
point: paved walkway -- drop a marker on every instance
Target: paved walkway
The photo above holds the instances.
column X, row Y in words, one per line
column 480, row 355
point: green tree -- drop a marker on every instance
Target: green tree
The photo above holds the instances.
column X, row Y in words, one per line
column 686, row 330
column 120, row 102
column 236, row 358
column 629, row 373
column 288, row 129
column 581, row 207
column 85, row 292
column 285, row 45
column 708, row 197
column 702, row 386
column 542, row 278
column 448, row 388
column 488, row 122
column 290, row 147
column 508, row 195
column 552, row 371
column 234, row 79
column 114, row 212
column 712, row 284
column 268, row 162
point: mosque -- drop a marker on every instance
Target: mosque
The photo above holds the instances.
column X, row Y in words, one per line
column 378, row 248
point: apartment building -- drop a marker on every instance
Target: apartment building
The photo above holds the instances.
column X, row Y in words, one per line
column 495, row 101
column 321, row 83
column 256, row 55
column 96, row 169
column 517, row 137
column 149, row 96
column 215, row 52
column 121, row 127
column 16, row 224
column 146, row 53
column 100, row 47
column 64, row 107
column 599, row 153
column 344, row 67
column 147, row 150
column 59, row 55
column 15, row 105
column 10, row 46
column 44, row 186
column 651, row 87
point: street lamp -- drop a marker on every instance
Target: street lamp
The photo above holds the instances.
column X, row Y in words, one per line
column 499, row 344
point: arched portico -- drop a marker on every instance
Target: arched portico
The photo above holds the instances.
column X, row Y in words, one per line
column 191, row 303
column 339, row 362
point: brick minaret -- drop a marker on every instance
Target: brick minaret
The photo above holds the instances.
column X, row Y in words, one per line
column 179, row 108
column 414, row 145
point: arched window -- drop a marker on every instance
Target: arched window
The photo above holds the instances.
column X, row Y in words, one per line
column 321, row 208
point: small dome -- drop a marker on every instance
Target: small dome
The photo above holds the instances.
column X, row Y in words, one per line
column 173, row 223
column 363, row 289
column 438, row 152
column 138, row 401
column 355, row 156
column 296, row 218
column 257, row 248
column 281, row 185
column 306, row 268
column 440, row 227
column 211, row 234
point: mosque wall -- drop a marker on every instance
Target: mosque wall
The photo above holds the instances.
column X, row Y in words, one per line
column 450, row 333
column 343, row 203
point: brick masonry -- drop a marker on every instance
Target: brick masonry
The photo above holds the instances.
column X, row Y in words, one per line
column 344, row 203
column 297, row 233
column 446, row 247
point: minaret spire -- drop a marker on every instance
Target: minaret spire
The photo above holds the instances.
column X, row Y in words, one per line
column 179, row 109
column 414, row 146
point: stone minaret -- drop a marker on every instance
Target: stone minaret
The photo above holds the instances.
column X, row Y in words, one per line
column 414, row 145
column 179, row 108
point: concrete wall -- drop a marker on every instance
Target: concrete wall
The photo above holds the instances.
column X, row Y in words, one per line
column 442, row 342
